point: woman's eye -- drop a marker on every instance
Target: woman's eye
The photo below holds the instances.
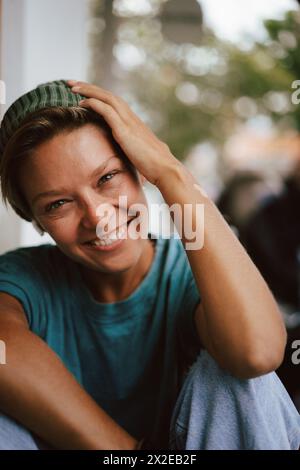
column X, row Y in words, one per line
column 55, row 205
column 105, row 178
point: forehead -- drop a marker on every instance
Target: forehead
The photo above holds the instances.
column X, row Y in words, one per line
column 67, row 160
column 79, row 149
column 86, row 139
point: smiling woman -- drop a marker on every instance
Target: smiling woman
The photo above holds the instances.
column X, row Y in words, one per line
column 75, row 166
column 38, row 127
column 102, row 328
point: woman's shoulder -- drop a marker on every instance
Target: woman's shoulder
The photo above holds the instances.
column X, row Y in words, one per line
column 28, row 250
column 173, row 255
column 31, row 258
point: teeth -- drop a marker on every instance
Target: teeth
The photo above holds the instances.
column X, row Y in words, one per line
column 105, row 241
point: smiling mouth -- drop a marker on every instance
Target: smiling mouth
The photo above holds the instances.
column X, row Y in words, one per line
column 111, row 238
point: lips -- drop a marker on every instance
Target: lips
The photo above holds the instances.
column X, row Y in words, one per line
column 107, row 236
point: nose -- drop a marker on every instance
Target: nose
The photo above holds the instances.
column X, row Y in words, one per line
column 90, row 215
column 96, row 212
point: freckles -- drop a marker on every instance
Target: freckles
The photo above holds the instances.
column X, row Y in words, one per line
column 61, row 229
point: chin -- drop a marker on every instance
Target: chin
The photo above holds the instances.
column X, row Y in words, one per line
column 117, row 260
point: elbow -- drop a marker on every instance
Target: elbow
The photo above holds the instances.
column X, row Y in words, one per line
column 261, row 365
column 264, row 359
column 265, row 351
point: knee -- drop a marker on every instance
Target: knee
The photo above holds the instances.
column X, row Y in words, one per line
column 216, row 409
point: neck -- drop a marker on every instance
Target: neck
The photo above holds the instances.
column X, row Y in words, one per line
column 113, row 287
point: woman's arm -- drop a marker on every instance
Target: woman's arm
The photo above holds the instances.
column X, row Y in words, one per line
column 38, row 391
column 238, row 320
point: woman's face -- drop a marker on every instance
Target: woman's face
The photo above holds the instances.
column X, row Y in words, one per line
column 81, row 173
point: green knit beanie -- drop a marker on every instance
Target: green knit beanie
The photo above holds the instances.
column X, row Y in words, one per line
column 55, row 93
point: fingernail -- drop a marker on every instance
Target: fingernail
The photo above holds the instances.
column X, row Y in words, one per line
column 71, row 81
column 75, row 88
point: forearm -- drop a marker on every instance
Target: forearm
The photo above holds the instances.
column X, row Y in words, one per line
column 242, row 320
column 241, row 316
column 38, row 391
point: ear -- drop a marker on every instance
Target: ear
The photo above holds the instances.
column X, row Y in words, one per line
column 38, row 227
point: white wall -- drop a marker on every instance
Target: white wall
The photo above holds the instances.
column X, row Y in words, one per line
column 12, row 40
column 43, row 40
column 56, row 40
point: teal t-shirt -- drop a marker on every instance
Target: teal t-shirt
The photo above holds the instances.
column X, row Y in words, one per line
column 131, row 356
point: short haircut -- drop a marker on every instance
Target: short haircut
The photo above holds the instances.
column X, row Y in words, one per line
column 37, row 128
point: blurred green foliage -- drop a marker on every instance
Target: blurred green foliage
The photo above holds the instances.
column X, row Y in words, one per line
column 202, row 92
column 287, row 33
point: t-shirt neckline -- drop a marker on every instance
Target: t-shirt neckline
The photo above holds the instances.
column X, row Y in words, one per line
column 140, row 293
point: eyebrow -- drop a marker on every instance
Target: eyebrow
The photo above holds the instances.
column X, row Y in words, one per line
column 56, row 192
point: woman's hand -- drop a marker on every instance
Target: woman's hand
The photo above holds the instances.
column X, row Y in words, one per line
column 148, row 154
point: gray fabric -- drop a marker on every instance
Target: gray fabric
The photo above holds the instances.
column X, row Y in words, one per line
column 215, row 411
column 13, row 436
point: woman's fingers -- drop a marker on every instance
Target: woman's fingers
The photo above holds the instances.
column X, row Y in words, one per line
column 116, row 102
column 92, row 91
column 72, row 82
column 142, row 147
column 109, row 114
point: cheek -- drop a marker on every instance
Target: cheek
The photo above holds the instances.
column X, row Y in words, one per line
column 62, row 230
column 133, row 191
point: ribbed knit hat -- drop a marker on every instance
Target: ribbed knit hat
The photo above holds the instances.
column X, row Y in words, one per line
column 55, row 93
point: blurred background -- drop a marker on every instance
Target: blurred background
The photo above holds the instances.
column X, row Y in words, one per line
column 218, row 80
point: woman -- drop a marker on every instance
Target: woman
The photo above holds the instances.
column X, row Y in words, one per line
column 102, row 334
